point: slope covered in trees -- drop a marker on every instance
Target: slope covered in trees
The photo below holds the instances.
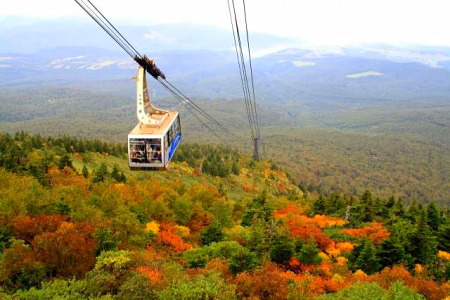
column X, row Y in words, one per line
column 76, row 223
column 390, row 147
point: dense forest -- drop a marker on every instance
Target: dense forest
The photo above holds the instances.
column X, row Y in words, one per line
column 327, row 146
column 76, row 223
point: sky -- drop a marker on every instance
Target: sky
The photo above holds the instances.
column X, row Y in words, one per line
column 318, row 22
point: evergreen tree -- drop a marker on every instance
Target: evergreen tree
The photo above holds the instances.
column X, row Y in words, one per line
column 319, row 206
column 122, row 178
column 391, row 252
column 243, row 260
column 282, row 249
column 422, row 244
column 433, row 217
column 378, row 207
column 212, row 233
column 388, row 207
column 65, row 161
column 106, row 241
column 101, row 173
column 235, row 168
column 5, row 237
column 115, row 173
column 335, row 205
column 413, row 212
column 367, row 259
column 309, row 253
column 367, row 207
column 85, row 172
column 443, row 237
column 399, row 208
column 257, row 209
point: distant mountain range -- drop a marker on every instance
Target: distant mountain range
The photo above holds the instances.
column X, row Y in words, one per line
column 28, row 36
column 201, row 62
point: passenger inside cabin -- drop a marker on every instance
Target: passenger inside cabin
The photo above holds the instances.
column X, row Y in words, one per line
column 158, row 156
column 137, row 155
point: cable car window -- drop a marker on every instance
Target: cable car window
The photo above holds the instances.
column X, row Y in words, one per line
column 145, row 151
column 171, row 137
column 177, row 125
column 137, row 150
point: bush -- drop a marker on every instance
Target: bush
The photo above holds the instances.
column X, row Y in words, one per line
column 243, row 260
column 202, row 287
column 137, row 286
column 56, row 289
column 372, row 290
column 199, row 257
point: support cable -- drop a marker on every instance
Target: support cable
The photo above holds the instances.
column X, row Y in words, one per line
column 249, row 93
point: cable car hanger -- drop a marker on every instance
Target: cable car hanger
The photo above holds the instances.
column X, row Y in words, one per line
column 151, row 68
column 152, row 143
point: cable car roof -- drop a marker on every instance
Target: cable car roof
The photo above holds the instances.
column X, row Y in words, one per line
column 155, row 130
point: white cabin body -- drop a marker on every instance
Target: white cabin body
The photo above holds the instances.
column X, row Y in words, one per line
column 153, row 146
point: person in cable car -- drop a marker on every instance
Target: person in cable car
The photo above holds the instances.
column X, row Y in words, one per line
column 137, row 155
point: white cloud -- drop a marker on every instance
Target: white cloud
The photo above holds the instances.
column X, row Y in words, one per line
column 299, row 63
column 155, row 36
column 364, row 74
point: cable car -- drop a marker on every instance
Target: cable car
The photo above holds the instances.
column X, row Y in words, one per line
column 154, row 140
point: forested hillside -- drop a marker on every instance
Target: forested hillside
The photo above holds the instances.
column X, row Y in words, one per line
column 326, row 146
column 76, row 223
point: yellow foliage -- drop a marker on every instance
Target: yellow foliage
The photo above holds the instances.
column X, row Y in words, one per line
column 324, row 256
column 333, row 251
column 359, row 275
column 152, row 227
column 446, row 288
column 444, row 255
column 342, row 261
column 326, row 221
column 344, row 246
column 418, row 269
column 338, row 278
column 182, row 231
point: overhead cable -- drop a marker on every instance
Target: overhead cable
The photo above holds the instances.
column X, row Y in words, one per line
column 148, row 64
column 249, row 92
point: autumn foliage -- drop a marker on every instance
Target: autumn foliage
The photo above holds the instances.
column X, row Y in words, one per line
column 266, row 283
column 375, row 232
column 69, row 251
column 188, row 233
column 27, row 228
column 169, row 236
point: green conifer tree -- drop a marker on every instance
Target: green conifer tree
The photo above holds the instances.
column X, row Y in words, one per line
column 422, row 244
column 388, row 207
column 101, row 173
column 391, row 252
column 235, row 168
column 65, row 161
column 319, row 206
column 366, row 208
column 309, row 253
column 433, row 217
column 282, row 249
column 85, row 172
column 367, row 259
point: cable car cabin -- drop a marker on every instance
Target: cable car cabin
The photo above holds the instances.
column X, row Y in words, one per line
column 152, row 147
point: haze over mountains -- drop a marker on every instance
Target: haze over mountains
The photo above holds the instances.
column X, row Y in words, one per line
column 202, row 61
